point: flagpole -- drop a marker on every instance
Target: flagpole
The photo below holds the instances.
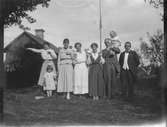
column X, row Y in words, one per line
column 100, row 24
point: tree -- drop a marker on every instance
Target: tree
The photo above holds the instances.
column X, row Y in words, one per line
column 143, row 47
column 11, row 13
column 157, row 44
column 15, row 10
column 158, row 4
column 152, row 55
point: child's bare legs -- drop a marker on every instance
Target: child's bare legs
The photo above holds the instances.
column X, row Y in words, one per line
column 68, row 95
column 95, row 98
column 48, row 93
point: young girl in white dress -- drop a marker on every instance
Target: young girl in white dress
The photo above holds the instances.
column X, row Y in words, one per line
column 48, row 55
column 50, row 80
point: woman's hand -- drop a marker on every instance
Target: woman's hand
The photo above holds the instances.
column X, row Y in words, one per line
column 88, row 61
column 68, row 53
column 49, row 52
column 75, row 62
column 100, row 53
column 102, row 61
column 88, row 52
column 52, row 53
column 44, row 84
column 112, row 52
column 31, row 49
column 74, row 56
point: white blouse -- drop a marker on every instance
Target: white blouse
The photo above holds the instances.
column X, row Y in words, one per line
column 48, row 54
column 95, row 55
column 81, row 56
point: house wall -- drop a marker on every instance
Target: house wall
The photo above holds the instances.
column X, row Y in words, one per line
column 27, row 64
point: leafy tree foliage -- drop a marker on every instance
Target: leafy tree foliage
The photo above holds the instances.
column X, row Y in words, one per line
column 159, row 4
column 15, row 10
column 156, row 3
column 152, row 52
column 12, row 13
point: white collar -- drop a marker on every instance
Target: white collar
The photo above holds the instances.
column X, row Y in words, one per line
column 126, row 52
column 95, row 55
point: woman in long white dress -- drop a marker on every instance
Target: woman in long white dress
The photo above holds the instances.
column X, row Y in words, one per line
column 80, row 71
column 48, row 55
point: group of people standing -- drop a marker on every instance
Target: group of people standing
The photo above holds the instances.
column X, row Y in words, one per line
column 88, row 72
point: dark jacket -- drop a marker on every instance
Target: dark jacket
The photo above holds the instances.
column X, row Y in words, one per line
column 133, row 61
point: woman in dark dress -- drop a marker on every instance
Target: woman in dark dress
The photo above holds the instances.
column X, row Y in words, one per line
column 96, row 81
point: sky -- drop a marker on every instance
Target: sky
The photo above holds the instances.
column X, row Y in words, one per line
column 78, row 20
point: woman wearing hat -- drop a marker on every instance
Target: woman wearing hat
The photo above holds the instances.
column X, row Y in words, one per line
column 96, row 81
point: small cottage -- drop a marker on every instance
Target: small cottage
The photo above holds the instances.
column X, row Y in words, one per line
column 23, row 66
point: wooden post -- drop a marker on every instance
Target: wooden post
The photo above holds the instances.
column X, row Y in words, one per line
column 2, row 69
column 100, row 24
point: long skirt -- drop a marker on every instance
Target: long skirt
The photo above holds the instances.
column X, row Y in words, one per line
column 66, row 78
column 80, row 79
column 109, row 72
column 96, row 81
column 44, row 69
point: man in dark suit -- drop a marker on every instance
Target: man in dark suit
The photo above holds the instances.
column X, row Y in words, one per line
column 111, row 66
column 129, row 61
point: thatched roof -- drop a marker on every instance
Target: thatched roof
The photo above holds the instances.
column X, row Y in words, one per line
column 15, row 51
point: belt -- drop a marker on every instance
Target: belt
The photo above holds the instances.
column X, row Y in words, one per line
column 81, row 62
column 65, row 63
column 65, row 59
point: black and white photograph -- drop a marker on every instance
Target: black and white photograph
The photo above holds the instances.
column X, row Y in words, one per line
column 82, row 63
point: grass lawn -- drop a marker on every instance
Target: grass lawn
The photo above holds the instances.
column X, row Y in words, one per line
column 21, row 108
